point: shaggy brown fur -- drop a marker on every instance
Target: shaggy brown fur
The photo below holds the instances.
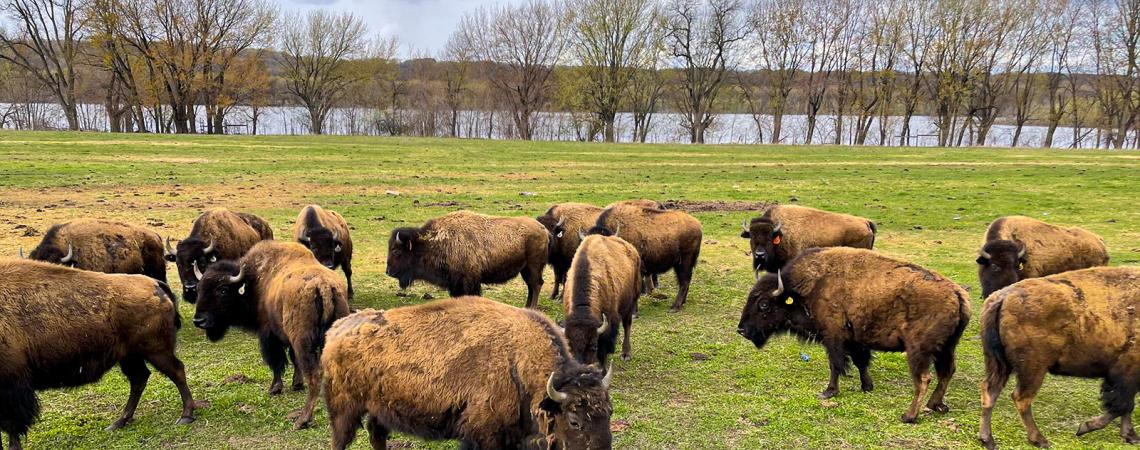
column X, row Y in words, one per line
column 469, row 369
column 326, row 233
column 1048, row 249
column 665, row 239
column 103, row 246
column 854, row 301
column 62, row 327
column 280, row 291
column 463, row 250
column 1081, row 324
column 801, row 228
column 226, row 234
column 602, row 291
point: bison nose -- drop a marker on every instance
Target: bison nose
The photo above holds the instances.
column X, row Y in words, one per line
column 740, row 331
column 201, row 321
column 330, row 266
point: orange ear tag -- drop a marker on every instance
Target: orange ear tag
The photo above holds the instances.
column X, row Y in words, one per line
column 776, row 240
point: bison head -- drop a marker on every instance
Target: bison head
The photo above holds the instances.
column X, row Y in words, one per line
column 771, row 309
column 765, row 238
column 555, row 226
column 51, row 253
column 193, row 256
column 223, row 299
column 325, row 245
column 583, row 333
column 578, row 400
column 1000, row 264
column 405, row 255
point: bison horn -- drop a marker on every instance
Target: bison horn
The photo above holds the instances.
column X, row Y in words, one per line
column 560, row 222
column 237, row 278
column 757, row 270
column 169, row 249
column 779, row 225
column 398, row 240
column 1021, row 252
column 70, row 254
column 22, row 253
column 210, row 248
column 197, row 271
column 609, row 376
column 983, row 254
column 581, row 235
column 336, row 236
column 553, row 393
column 744, row 225
column 605, row 325
column 617, row 230
column 305, row 237
column 779, row 284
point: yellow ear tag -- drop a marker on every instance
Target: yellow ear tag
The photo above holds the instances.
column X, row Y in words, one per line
column 788, row 301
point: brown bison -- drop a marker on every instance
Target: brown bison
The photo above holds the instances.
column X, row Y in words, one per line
column 665, row 239
column 62, row 327
column 1080, row 324
column 785, row 231
column 280, row 291
column 1018, row 247
column 462, row 250
column 564, row 221
column 103, row 246
column 487, row 374
column 854, row 301
column 218, row 234
column 602, row 291
column 326, row 234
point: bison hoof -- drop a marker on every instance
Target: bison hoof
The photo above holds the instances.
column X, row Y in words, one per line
column 988, row 442
column 118, row 424
column 1085, row 428
column 868, row 386
column 626, row 357
column 828, row 393
column 907, row 418
column 939, row 407
column 275, row 388
column 1131, row 438
column 299, row 386
column 1040, row 442
column 185, row 421
column 300, row 419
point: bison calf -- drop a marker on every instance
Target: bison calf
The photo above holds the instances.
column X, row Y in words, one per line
column 63, row 327
column 602, row 291
column 1080, row 324
column 103, row 246
column 218, row 234
column 326, row 234
column 1019, row 247
column 785, row 231
column 462, row 250
column 280, row 291
column 490, row 375
column 854, row 301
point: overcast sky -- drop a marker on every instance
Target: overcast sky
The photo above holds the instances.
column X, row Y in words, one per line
column 422, row 25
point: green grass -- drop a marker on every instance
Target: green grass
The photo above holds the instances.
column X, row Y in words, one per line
column 931, row 205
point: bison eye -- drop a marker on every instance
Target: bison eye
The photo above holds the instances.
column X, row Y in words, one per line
column 764, row 306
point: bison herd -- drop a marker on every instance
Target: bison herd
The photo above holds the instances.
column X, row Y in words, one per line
column 93, row 295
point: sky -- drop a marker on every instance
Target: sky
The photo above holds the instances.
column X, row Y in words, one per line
column 422, row 26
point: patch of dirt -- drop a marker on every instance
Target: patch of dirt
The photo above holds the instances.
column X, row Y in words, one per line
column 237, row 378
column 619, row 425
column 714, row 205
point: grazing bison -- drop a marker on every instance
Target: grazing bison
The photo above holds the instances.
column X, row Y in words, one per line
column 462, row 250
column 218, row 234
column 1019, row 247
column 62, row 327
column 602, row 291
column 665, row 239
column 326, row 234
column 490, row 375
column 564, row 221
column 854, row 301
column 103, row 246
column 1081, row 324
column 280, row 291
column 785, row 231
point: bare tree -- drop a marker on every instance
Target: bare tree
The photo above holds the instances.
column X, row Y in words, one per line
column 703, row 36
column 46, row 44
column 878, row 53
column 919, row 32
column 458, row 58
column 647, row 84
column 777, row 48
column 824, row 22
column 228, row 28
column 956, row 53
column 314, row 51
column 1114, row 35
column 1062, row 17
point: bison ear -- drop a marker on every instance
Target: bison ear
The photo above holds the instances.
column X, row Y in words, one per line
column 550, row 406
column 983, row 261
column 746, row 234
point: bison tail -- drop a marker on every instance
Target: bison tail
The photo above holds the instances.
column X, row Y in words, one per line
column 874, row 232
column 170, row 296
column 997, row 362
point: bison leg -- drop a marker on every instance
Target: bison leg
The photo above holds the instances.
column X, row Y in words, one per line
column 308, row 364
column 996, row 377
column 684, row 273
column 134, row 368
column 945, row 365
column 345, row 423
column 656, row 282
column 1028, row 383
column 861, row 356
column 1126, row 430
column 298, row 376
column 559, row 280
column 626, row 352
column 837, row 362
column 465, row 287
column 273, row 353
column 919, row 363
column 532, row 276
column 14, row 442
column 19, row 408
column 171, row 367
column 347, row 268
column 377, row 434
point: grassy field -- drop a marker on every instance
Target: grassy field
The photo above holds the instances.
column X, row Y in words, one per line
column 693, row 382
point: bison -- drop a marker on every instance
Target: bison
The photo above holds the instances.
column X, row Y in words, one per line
column 462, row 250
column 604, row 284
column 1080, row 324
column 855, row 301
column 1018, row 247
column 218, row 234
column 61, row 327
column 103, row 246
column 326, row 234
column 665, row 239
column 280, row 291
column 785, row 231
column 487, row 374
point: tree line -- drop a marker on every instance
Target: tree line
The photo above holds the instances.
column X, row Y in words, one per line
column 869, row 67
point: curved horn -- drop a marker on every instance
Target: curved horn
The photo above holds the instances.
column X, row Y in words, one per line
column 22, row 253
column 779, row 225
column 560, row 222
column 581, row 235
column 398, row 240
column 609, row 376
column 605, row 325
column 237, row 278
column 553, row 393
column 983, row 254
column 758, row 271
column 197, row 272
column 304, row 237
column 336, row 236
column 617, row 231
column 210, row 248
column 1021, row 252
column 744, row 225
column 70, row 254
column 169, row 249
column 779, row 285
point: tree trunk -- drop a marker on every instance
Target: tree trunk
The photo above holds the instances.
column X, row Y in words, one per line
column 777, row 124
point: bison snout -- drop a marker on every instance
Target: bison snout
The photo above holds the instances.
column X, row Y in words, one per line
column 740, row 331
column 203, row 321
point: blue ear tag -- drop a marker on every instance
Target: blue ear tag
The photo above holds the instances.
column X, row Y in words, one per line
column 804, row 357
